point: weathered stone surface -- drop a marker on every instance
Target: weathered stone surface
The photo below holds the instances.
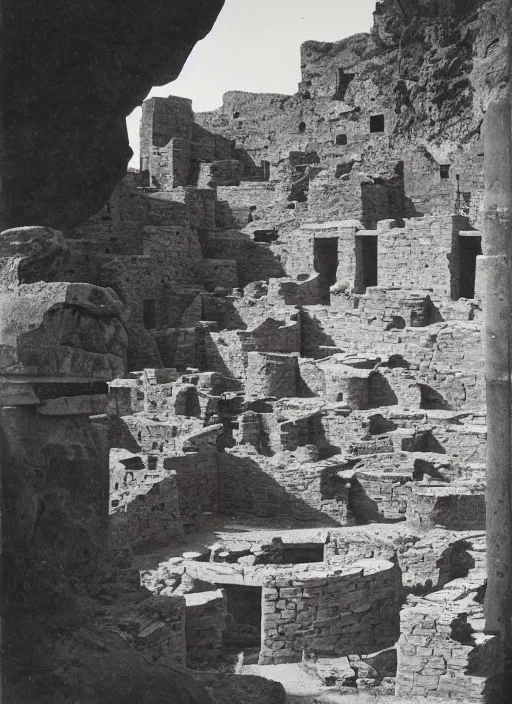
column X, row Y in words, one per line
column 30, row 254
column 63, row 331
column 340, row 384
column 12, row 394
column 249, row 689
column 66, row 100
column 74, row 406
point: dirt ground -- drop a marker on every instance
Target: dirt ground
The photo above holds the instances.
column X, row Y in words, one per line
column 302, row 688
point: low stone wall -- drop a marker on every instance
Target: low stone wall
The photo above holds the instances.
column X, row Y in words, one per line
column 452, row 507
column 205, row 624
column 296, row 292
column 386, row 495
column 443, row 652
column 355, row 610
column 307, row 490
column 439, row 557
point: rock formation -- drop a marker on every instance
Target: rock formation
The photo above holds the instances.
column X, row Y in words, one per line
column 73, row 71
column 243, row 413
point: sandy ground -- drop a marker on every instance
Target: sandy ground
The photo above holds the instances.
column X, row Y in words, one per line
column 302, row 688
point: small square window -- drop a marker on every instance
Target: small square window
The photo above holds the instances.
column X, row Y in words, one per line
column 341, row 139
column 376, row 123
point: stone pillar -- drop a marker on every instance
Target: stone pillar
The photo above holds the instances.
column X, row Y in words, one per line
column 497, row 329
column 271, row 374
column 59, row 345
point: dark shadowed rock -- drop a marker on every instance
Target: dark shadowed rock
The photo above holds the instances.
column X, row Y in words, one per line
column 30, row 254
column 73, row 71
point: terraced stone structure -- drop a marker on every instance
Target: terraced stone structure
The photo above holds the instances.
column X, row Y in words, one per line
column 273, row 330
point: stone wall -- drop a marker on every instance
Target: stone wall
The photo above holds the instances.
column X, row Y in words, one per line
column 443, row 651
column 371, row 122
column 144, row 500
column 303, row 490
column 454, row 508
column 330, row 614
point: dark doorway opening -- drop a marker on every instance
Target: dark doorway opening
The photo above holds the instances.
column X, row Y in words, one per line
column 366, row 263
column 444, row 170
column 302, row 127
column 376, row 123
column 326, row 263
column 244, row 617
column 342, row 83
column 149, row 313
column 265, row 235
column 468, row 248
column 301, row 553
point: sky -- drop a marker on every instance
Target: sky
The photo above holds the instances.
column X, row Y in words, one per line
column 255, row 46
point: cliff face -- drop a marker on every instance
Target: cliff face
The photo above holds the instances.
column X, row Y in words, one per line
column 73, row 71
column 427, row 70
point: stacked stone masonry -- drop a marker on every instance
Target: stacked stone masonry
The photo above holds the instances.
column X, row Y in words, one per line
column 272, row 334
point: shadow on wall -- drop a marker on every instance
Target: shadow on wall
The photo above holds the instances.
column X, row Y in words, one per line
column 381, row 392
column 485, row 660
column 246, row 488
column 255, row 260
column 314, row 337
column 432, row 399
column 364, row 509
column 121, row 436
column 211, row 359
column 410, row 209
column 317, row 436
column 142, row 351
column 150, row 519
column 383, row 199
column 455, row 562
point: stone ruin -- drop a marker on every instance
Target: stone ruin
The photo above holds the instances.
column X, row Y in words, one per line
column 272, row 334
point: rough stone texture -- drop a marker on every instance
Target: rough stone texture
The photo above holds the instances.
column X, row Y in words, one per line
column 30, row 254
column 331, row 615
column 429, row 73
column 66, row 101
column 206, row 614
column 443, row 651
column 62, row 330
column 303, row 349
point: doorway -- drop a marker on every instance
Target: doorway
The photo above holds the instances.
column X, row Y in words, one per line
column 244, row 620
column 149, row 313
column 326, row 264
column 469, row 248
column 366, row 262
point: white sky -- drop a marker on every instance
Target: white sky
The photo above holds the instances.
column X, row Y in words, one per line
column 255, row 46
